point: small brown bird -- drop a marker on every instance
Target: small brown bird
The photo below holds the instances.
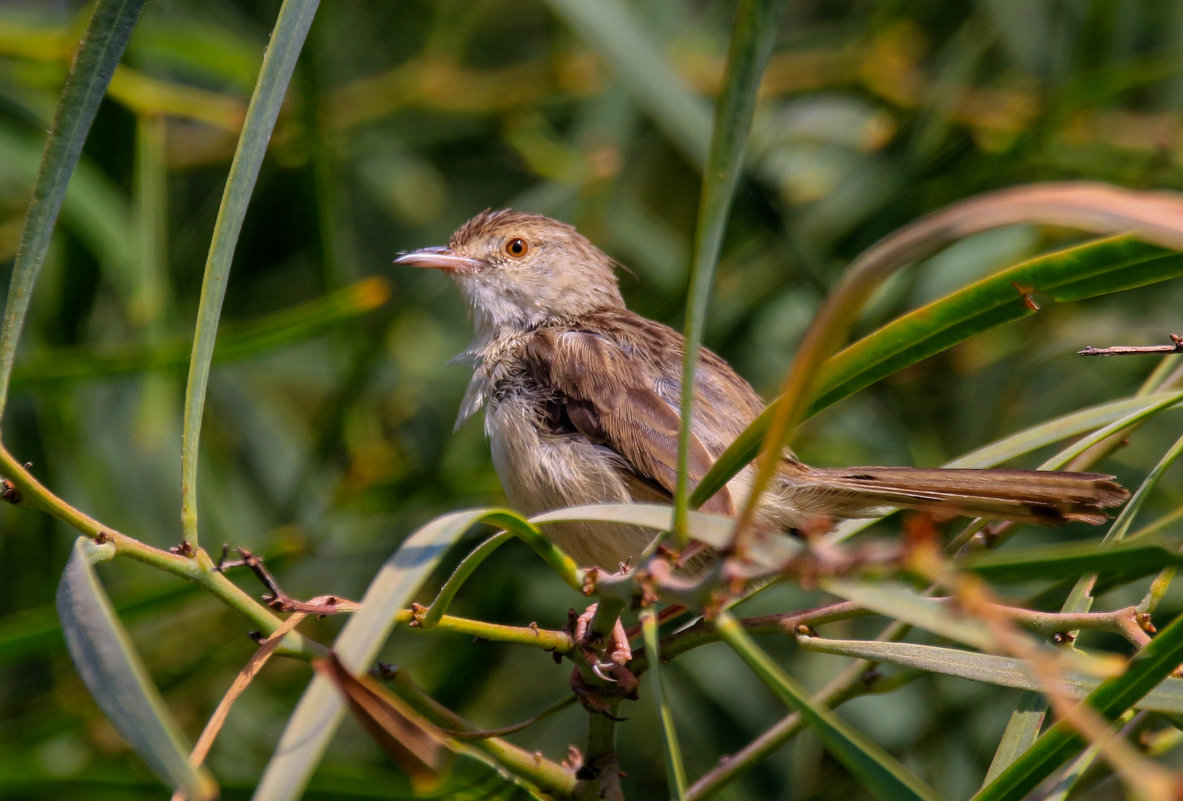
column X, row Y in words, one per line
column 582, row 404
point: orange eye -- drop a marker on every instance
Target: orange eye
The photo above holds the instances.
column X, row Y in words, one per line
column 517, row 247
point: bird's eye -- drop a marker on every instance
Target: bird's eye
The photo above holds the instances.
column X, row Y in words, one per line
column 517, row 247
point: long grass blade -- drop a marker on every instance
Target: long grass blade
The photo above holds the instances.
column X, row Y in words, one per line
column 875, row 769
column 1156, row 218
column 116, row 677
column 100, row 51
column 1004, row 671
column 756, row 25
column 291, row 29
column 674, row 767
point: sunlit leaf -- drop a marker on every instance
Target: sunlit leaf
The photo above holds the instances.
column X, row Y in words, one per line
column 1003, row 671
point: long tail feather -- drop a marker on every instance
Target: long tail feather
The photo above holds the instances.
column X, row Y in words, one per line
column 1045, row 497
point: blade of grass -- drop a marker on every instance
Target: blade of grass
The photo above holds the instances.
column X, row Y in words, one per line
column 291, row 28
column 756, row 26
column 246, row 340
column 871, row 765
column 111, row 669
column 1103, row 267
column 674, row 768
column 102, row 46
column 611, row 27
column 1051, row 562
column 1004, row 671
column 989, row 303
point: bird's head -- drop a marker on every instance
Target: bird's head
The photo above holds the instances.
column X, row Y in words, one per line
column 519, row 271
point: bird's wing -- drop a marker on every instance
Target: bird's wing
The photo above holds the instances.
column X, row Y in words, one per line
column 609, row 394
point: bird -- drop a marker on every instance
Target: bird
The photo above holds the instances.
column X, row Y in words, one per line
column 582, row 406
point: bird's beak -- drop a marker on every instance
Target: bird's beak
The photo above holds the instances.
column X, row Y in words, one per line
column 439, row 259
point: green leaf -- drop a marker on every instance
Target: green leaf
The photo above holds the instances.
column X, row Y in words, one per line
column 1101, row 267
column 1049, row 562
column 291, row 28
column 1099, row 208
column 713, row 530
column 756, row 26
column 875, row 769
column 101, row 48
column 1114, row 416
column 1145, row 671
column 1003, row 671
column 116, row 677
column 1021, row 730
column 321, row 708
column 901, row 603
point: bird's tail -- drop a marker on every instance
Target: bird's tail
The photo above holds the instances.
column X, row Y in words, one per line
column 1045, row 497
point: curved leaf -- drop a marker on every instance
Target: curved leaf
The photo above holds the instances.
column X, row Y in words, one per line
column 116, row 677
column 1051, row 562
column 1097, row 268
column 756, row 26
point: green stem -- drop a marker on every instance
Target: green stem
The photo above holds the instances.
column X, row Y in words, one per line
column 756, row 25
column 461, row 574
column 558, row 642
column 198, row 568
column 675, row 770
column 546, row 775
column 291, row 28
column 600, row 757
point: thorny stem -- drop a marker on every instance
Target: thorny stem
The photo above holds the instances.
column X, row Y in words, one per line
column 1129, row 622
column 200, row 569
column 558, row 642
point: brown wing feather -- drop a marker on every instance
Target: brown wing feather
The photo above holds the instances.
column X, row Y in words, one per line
column 610, row 395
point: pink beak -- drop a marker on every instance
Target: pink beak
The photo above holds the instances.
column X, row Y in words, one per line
column 439, row 258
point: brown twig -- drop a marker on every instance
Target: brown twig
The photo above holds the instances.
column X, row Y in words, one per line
column 259, row 658
column 1176, row 346
column 276, row 598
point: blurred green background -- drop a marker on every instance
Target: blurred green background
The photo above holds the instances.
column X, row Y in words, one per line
column 328, row 430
